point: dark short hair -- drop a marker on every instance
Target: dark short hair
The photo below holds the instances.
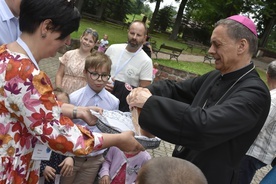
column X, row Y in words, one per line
column 238, row 31
column 64, row 15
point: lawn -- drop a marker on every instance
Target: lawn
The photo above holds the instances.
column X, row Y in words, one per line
column 118, row 35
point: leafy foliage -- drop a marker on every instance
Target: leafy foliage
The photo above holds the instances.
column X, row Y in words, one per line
column 164, row 19
column 114, row 9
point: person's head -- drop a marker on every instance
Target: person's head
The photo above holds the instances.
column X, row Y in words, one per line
column 61, row 95
column 14, row 6
column 155, row 65
column 233, row 43
column 137, row 34
column 105, row 37
column 165, row 170
column 48, row 22
column 88, row 39
column 97, row 70
column 271, row 75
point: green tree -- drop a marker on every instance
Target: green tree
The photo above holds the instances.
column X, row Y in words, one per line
column 265, row 14
column 114, row 9
column 178, row 20
column 154, row 15
column 164, row 18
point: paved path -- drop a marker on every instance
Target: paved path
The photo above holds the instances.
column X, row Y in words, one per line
column 50, row 66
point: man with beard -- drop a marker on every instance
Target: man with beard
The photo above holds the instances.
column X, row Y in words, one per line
column 131, row 66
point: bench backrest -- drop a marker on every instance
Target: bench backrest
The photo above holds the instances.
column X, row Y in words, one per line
column 163, row 46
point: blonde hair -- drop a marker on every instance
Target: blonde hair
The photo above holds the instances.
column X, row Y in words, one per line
column 155, row 65
column 165, row 170
column 93, row 32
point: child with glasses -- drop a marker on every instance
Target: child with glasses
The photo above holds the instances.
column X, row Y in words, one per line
column 70, row 76
column 97, row 73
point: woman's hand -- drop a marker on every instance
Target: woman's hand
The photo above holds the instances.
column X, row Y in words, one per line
column 85, row 114
column 125, row 141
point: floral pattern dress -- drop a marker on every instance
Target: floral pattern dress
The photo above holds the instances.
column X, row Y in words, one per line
column 30, row 113
column 73, row 78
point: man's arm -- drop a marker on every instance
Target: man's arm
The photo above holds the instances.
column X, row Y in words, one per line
column 144, row 83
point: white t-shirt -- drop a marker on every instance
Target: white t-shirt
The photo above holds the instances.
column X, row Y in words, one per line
column 138, row 68
column 103, row 42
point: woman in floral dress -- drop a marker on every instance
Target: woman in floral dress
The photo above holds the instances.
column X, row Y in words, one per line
column 70, row 75
column 29, row 112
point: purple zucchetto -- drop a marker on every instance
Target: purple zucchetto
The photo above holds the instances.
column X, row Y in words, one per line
column 246, row 22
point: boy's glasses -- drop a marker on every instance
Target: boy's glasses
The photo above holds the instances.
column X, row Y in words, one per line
column 95, row 76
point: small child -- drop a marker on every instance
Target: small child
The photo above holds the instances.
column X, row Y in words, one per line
column 122, row 167
column 154, row 70
column 165, row 170
column 58, row 164
column 103, row 43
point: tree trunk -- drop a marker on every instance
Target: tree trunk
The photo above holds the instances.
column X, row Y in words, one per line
column 157, row 6
column 79, row 4
column 267, row 32
column 100, row 11
column 178, row 20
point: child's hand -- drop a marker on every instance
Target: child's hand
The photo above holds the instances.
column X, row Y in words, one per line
column 67, row 166
column 104, row 180
column 109, row 86
column 49, row 173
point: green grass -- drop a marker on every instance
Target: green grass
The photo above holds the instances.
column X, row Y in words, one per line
column 193, row 67
column 198, row 68
column 118, row 35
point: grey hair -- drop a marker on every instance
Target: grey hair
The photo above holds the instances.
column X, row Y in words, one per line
column 238, row 31
column 271, row 70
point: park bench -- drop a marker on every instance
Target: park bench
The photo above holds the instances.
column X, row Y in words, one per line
column 153, row 46
column 208, row 57
column 192, row 44
column 172, row 51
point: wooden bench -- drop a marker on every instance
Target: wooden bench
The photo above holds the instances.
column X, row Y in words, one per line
column 192, row 44
column 172, row 51
column 153, row 46
column 209, row 58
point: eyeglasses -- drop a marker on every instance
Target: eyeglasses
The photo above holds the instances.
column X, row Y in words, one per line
column 96, row 76
column 91, row 31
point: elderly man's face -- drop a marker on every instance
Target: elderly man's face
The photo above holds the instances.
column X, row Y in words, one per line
column 224, row 50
